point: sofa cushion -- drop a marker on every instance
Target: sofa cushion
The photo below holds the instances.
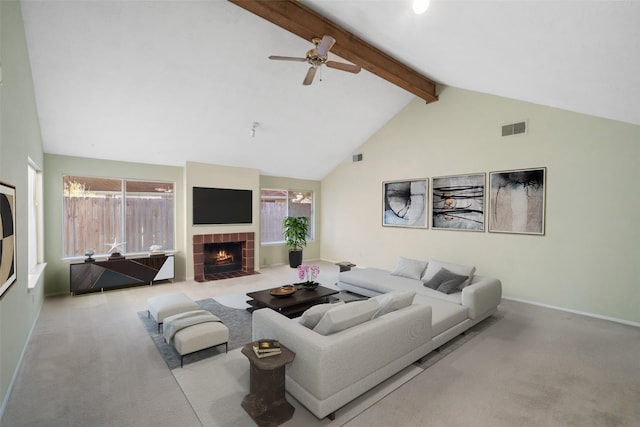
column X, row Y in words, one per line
column 434, row 266
column 377, row 280
column 444, row 315
column 446, row 281
column 393, row 301
column 345, row 316
column 409, row 268
column 312, row 316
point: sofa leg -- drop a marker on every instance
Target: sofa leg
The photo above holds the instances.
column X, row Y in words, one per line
column 332, row 416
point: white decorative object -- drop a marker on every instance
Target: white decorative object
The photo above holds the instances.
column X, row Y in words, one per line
column 114, row 246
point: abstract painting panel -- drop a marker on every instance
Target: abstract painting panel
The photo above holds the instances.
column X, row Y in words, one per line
column 458, row 202
column 7, row 237
column 405, row 203
column 517, row 201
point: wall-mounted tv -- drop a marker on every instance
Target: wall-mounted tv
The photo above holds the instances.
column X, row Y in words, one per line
column 221, row 206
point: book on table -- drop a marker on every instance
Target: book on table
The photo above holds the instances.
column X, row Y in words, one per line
column 268, row 344
column 266, row 353
column 265, row 348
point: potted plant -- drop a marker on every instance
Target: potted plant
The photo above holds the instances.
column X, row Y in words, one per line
column 295, row 237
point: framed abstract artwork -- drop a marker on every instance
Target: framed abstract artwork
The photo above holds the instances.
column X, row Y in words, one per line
column 8, row 238
column 517, row 201
column 458, row 202
column 404, row 203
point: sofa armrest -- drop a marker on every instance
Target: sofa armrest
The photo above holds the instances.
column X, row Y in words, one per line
column 482, row 295
column 325, row 365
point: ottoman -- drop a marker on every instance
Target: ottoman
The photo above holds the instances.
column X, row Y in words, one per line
column 163, row 306
column 197, row 337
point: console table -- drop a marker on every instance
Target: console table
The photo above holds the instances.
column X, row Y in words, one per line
column 108, row 274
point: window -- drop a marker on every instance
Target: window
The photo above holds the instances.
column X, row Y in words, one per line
column 35, row 257
column 277, row 204
column 101, row 211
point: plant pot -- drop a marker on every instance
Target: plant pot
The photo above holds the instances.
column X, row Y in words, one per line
column 295, row 258
column 309, row 286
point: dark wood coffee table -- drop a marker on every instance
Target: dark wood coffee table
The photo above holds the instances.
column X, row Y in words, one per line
column 292, row 305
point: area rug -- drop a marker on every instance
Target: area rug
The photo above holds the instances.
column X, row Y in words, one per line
column 216, row 386
column 237, row 320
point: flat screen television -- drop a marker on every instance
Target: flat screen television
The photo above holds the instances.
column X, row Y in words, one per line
column 221, row 206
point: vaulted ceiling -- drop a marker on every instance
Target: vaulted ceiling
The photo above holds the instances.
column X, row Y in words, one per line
column 167, row 81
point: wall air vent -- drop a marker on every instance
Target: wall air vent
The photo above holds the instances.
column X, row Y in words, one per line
column 357, row 157
column 514, row 129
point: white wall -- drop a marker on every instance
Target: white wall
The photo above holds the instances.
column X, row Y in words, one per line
column 588, row 258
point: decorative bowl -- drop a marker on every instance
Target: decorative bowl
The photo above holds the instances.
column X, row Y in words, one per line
column 283, row 291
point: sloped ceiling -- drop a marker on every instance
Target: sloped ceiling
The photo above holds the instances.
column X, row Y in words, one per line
column 167, row 82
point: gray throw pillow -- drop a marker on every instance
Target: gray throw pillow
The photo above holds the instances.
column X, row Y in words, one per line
column 446, row 281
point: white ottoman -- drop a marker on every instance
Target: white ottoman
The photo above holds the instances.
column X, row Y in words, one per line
column 199, row 337
column 163, row 306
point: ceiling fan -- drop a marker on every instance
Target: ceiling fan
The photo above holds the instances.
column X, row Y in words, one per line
column 318, row 56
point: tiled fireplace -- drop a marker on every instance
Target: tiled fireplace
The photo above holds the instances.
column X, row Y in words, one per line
column 222, row 256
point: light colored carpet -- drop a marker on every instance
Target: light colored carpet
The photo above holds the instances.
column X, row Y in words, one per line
column 90, row 362
column 216, row 386
column 532, row 366
column 234, row 301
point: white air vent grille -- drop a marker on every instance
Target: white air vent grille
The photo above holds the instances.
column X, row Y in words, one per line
column 514, row 129
column 357, row 157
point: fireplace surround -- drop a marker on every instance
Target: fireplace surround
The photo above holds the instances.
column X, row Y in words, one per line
column 205, row 266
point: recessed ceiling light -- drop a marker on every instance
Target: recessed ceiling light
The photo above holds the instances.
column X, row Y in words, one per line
column 420, row 6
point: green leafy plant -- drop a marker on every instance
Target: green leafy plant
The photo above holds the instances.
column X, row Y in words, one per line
column 295, row 231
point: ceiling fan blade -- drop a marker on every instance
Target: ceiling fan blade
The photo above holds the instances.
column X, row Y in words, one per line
column 308, row 79
column 325, row 45
column 344, row 67
column 287, row 58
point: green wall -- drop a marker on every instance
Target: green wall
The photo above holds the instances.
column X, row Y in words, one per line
column 19, row 140
column 57, row 276
column 588, row 259
column 278, row 254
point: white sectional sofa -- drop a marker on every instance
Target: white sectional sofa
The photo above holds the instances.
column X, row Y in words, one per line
column 342, row 354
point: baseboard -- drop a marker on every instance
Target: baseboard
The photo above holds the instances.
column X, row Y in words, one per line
column 568, row 310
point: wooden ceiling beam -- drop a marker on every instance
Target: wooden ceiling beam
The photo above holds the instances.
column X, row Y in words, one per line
column 297, row 18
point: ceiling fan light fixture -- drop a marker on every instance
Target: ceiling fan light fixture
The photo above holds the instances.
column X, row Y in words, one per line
column 420, row 6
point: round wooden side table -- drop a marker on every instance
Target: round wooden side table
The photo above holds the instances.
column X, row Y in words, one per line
column 266, row 402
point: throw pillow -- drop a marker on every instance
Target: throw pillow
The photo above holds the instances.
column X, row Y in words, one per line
column 449, row 281
column 345, row 316
column 312, row 316
column 451, row 286
column 410, row 268
column 393, row 301
column 434, row 266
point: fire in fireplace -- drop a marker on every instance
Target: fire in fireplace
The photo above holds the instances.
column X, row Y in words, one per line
column 227, row 254
column 222, row 257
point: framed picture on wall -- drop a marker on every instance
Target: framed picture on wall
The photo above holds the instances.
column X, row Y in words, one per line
column 458, row 202
column 517, row 201
column 404, row 203
column 8, row 238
